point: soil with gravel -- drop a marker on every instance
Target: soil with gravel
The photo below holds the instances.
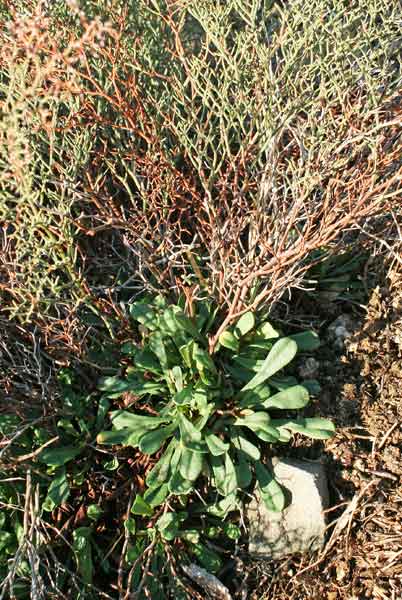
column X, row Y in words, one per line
column 360, row 370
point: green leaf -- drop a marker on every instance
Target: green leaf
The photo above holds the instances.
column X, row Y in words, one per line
column 140, row 507
column 142, row 388
column 232, row 531
column 207, row 558
column 144, row 314
column 314, row 427
column 67, row 426
column 205, row 413
column 223, row 507
column 283, row 383
column 216, row 445
column 59, row 456
column 282, row 352
column 184, row 397
column 146, row 361
column 238, row 373
column 306, row 341
column 211, row 531
column 128, row 349
column 178, row 485
column 156, row 345
column 190, row 464
column 290, row 399
column 159, row 301
column 112, row 438
column 271, row 492
column 188, row 432
column 259, row 423
column 251, row 364
column 94, row 511
column 6, row 540
column 155, row 496
column 130, row 525
column 175, row 457
column 284, row 435
column 247, row 447
column 160, row 472
column 186, row 351
column 244, row 324
column 185, row 323
column 113, row 385
column 219, row 473
column 312, row 386
column 201, row 395
column 136, row 435
column 192, row 536
column 8, row 424
column 257, row 347
column 123, row 418
column 83, row 553
column 177, row 375
column 243, row 471
column 152, row 441
column 203, row 360
column 176, row 324
column 253, row 420
column 266, row 331
column 169, row 524
column 103, row 407
column 230, row 482
column 228, row 340
column 112, row 464
column 58, row 491
column 255, row 397
column 267, row 434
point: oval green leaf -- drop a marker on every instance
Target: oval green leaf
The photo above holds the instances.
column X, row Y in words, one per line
column 281, row 354
column 228, row 340
column 271, row 492
column 245, row 324
column 59, row 456
column 215, row 445
column 306, row 341
column 292, row 398
column 152, row 441
column 155, row 496
column 140, row 507
column 190, row 464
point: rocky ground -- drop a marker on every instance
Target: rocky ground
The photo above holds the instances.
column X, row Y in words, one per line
column 360, row 370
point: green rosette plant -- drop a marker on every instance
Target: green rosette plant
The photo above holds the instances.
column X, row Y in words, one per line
column 209, row 416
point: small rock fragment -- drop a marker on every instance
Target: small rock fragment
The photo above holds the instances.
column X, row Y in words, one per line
column 301, row 526
column 308, row 368
column 340, row 330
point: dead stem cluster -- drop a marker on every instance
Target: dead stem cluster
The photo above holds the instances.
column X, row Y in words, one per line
column 160, row 148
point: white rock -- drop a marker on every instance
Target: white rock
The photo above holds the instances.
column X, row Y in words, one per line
column 341, row 329
column 309, row 368
column 301, row 526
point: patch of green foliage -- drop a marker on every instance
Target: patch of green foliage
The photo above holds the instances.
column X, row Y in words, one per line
column 44, row 467
column 203, row 425
column 208, row 418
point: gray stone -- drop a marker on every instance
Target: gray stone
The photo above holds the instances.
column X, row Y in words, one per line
column 301, row 526
column 341, row 330
column 308, row 368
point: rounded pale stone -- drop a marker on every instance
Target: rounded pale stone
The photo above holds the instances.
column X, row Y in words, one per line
column 301, row 526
